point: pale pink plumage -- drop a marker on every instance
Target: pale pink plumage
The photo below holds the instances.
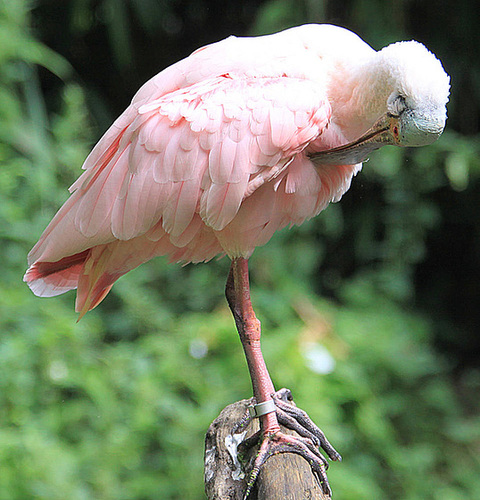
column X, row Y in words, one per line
column 211, row 157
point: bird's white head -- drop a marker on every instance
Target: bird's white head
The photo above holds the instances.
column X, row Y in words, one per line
column 418, row 90
column 400, row 93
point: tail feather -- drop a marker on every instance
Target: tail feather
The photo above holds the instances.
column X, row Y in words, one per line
column 93, row 272
column 97, row 278
column 87, row 271
column 48, row 279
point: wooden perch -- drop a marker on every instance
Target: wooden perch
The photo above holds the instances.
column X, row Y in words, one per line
column 284, row 476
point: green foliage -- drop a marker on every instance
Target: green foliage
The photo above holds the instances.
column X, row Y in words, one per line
column 116, row 406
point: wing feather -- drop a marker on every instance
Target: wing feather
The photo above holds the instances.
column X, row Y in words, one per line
column 174, row 170
column 95, row 206
column 199, row 149
column 180, row 206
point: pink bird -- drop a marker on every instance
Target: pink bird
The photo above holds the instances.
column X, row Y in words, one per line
column 222, row 149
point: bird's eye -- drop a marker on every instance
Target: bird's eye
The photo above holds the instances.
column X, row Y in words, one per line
column 396, row 104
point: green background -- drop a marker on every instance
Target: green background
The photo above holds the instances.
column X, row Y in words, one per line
column 385, row 282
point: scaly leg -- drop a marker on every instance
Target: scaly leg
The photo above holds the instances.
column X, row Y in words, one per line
column 274, row 441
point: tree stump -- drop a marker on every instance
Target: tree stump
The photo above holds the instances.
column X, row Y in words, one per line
column 283, row 476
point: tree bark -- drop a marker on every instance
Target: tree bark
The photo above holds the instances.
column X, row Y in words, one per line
column 283, row 476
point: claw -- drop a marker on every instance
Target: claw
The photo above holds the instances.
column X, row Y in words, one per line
column 310, row 438
column 285, row 443
column 302, row 424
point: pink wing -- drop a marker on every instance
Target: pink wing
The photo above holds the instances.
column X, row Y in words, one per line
column 212, row 168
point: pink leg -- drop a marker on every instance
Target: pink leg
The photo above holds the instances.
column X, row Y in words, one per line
column 274, row 441
column 238, row 297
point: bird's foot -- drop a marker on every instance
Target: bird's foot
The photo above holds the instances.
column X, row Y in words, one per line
column 306, row 444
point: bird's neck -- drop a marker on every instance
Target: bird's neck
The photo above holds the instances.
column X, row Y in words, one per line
column 358, row 94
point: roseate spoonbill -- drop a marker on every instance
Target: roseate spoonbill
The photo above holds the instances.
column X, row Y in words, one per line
column 220, row 150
